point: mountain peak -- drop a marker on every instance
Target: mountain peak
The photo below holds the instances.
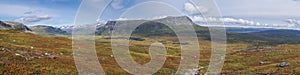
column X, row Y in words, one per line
column 172, row 20
column 176, row 20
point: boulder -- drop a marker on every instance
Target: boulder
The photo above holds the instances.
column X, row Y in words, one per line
column 261, row 63
column 284, row 64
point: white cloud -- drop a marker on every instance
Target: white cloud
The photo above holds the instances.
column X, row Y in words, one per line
column 34, row 18
column 293, row 22
column 194, row 10
column 225, row 20
column 122, row 19
column 151, row 18
column 117, row 4
column 158, row 17
column 233, row 22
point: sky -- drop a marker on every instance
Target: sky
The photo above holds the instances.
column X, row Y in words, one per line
column 34, row 12
column 251, row 13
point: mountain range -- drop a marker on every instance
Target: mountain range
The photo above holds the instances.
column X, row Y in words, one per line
column 150, row 27
column 48, row 30
column 249, row 35
column 158, row 27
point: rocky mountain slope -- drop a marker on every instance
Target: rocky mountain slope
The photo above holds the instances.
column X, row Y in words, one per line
column 9, row 25
column 43, row 29
column 157, row 27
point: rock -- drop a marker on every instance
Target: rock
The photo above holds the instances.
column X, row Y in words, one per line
column 262, row 63
column 32, row 47
column 47, row 54
column 201, row 67
column 284, row 64
column 2, row 49
column 17, row 54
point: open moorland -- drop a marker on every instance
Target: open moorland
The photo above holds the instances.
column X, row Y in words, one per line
column 27, row 53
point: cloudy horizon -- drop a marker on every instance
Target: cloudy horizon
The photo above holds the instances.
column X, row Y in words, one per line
column 256, row 13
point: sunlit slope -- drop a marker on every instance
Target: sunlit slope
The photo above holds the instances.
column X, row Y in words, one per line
column 26, row 53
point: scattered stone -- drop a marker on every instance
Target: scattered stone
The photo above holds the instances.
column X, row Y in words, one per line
column 17, row 54
column 14, row 40
column 261, row 63
column 201, row 67
column 111, row 55
column 27, row 58
column 284, row 64
column 47, row 54
column 193, row 71
column 61, row 53
column 30, row 55
column 32, row 47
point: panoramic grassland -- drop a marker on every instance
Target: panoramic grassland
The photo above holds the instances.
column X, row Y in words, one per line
column 26, row 53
